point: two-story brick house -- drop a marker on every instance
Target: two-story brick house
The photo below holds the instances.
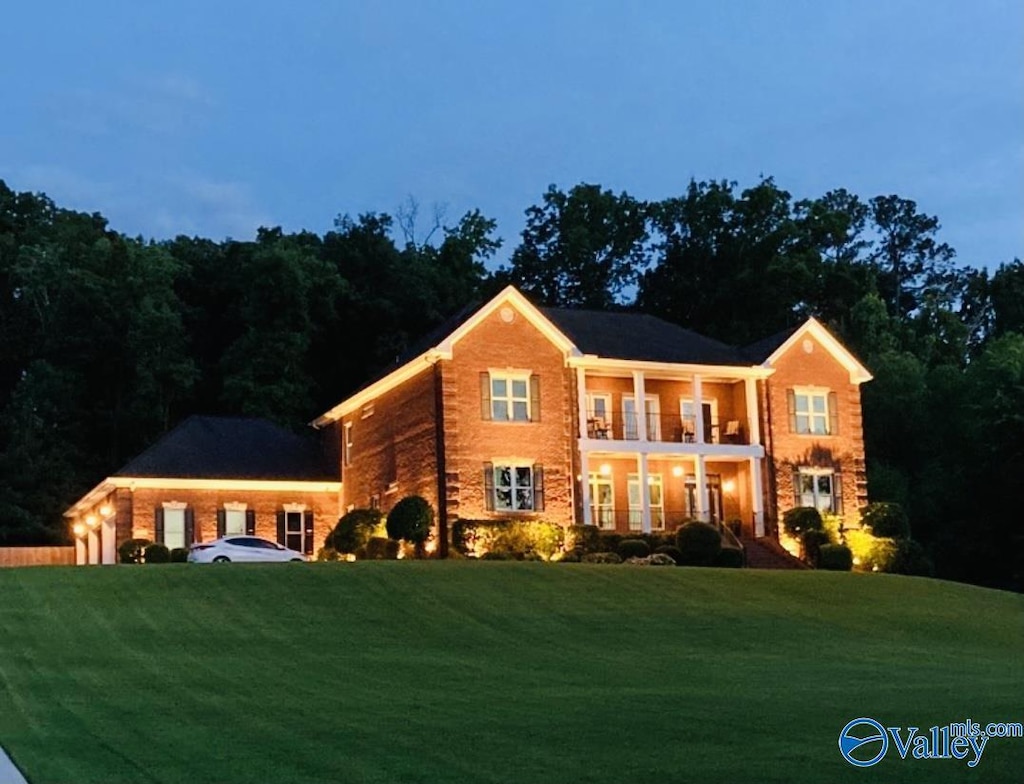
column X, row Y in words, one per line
column 618, row 420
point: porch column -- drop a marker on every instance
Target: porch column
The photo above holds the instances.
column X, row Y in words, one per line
column 109, row 534
column 752, row 419
column 81, row 554
column 700, row 475
column 585, row 486
column 94, row 545
column 640, row 397
column 698, row 411
column 757, row 495
column 645, row 493
column 581, row 401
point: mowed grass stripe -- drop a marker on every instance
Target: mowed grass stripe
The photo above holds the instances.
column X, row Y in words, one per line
column 407, row 672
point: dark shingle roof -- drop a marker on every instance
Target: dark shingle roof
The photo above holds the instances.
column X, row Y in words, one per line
column 206, row 447
column 760, row 351
column 618, row 335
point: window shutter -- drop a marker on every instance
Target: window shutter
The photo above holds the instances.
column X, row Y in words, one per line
column 485, row 396
column 535, row 398
column 833, row 414
column 190, row 526
column 307, row 532
column 158, row 525
column 538, row 488
column 280, row 527
column 796, row 488
column 837, row 493
column 250, row 522
column 222, row 522
column 489, row 486
column 791, row 407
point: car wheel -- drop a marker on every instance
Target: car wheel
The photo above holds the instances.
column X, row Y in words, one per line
column 296, row 560
column 222, row 559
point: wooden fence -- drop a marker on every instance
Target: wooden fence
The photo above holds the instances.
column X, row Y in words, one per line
column 37, row 556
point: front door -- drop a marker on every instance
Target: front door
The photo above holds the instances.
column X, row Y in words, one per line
column 715, row 508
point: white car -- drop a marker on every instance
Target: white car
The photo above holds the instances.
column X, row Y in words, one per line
column 249, row 549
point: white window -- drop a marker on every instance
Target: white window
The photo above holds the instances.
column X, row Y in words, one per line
column 294, row 530
column 602, row 501
column 348, row 443
column 817, row 488
column 510, row 397
column 630, row 417
column 709, row 418
column 655, row 500
column 174, row 525
column 234, row 519
column 513, row 488
column 811, row 408
column 599, row 415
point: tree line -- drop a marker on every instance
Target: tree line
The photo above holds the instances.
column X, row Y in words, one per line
column 107, row 341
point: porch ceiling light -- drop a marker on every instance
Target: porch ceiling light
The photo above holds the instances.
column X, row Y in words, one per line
column 105, row 511
column 606, row 469
column 677, row 470
column 79, row 529
column 92, row 521
column 728, row 485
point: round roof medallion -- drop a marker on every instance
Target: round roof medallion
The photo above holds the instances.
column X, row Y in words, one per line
column 808, row 345
column 507, row 314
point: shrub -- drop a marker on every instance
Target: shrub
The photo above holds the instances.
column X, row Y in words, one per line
column 910, row 557
column 411, row 520
column 518, row 537
column 835, row 557
column 698, row 543
column 633, row 548
column 811, row 542
column 156, row 553
column 498, row 555
column 661, row 559
column 132, row 551
column 586, row 538
column 801, row 518
column 671, row 551
column 380, row 548
column 730, row 558
column 328, row 554
column 886, row 520
column 353, row 530
column 609, row 543
column 179, row 555
column 601, row 558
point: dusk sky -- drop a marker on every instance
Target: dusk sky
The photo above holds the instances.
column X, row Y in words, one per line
column 213, row 118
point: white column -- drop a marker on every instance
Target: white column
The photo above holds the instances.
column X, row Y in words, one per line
column 585, row 487
column 645, row 494
column 698, row 410
column 109, row 534
column 81, row 554
column 581, row 403
column 640, row 396
column 701, row 477
column 753, row 422
column 756, row 496
column 94, row 545
column 581, row 400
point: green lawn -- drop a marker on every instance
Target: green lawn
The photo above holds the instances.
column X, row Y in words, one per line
column 493, row 672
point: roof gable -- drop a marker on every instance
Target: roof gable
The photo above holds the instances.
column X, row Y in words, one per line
column 815, row 329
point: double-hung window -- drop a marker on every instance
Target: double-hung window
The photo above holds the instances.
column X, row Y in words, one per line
column 510, row 396
column 513, row 487
column 818, row 488
column 811, row 411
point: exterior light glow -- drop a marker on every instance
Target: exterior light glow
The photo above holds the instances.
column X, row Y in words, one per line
column 431, row 546
column 677, row 470
column 79, row 529
column 92, row 521
column 728, row 485
column 606, row 469
column 105, row 511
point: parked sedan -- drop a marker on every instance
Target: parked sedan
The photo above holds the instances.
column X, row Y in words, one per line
column 243, row 549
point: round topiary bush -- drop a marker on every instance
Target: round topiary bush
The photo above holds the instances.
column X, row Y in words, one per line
column 156, row 553
column 633, row 548
column 812, row 541
column 886, row 520
column 835, row 557
column 802, row 518
column 179, row 555
column 353, row 530
column 698, row 543
column 132, row 551
column 411, row 520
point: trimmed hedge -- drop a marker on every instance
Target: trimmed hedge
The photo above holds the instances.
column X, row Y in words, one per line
column 517, row 537
column 380, row 548
column 802, row 518
column 585, row 538
column 633, row 548
column 133, row 551
column 601, row 558
column 699, row 543
column 179, row 555
column 731, row 558
column 835, row 557
column 411, row 520
column 354, row 530
column 156, row 553
column 812, row 541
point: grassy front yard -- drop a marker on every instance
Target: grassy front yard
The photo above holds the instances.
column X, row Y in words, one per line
column 492, row 672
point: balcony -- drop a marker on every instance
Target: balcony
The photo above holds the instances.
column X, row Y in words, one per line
column 668, row 428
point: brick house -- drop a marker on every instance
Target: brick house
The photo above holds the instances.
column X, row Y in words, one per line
column 511, row 410
column 210, row 477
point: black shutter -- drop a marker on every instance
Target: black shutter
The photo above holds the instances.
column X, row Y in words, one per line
column 222, row 523
column 791, row 406
column 307, row 532
column 250, row 522
column 833, row 414
column 485, row 396
column 535, row 398
column 158, row 525
column 538, row 488
column 837, row 493
column 489, row 486
column 796, row 488
column 190, row 526
column 280, row 528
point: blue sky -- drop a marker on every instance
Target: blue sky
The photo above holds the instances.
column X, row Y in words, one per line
column 214, row 118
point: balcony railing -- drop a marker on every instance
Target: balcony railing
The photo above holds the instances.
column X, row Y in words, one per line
column 668, row 428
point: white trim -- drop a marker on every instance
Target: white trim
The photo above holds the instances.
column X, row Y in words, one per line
column 294, row 507
column 671, row 369
column 234, row 506
column 858, row 373
column 175, row 506
column 510, row 376
column 811, row 393
column 698, row 413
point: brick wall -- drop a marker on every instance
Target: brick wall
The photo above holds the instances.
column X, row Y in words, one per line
column 844, row 451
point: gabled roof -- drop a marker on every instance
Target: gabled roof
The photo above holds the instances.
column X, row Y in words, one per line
column 812, row 328
column 640, row 337
column 760, row 351
column 207, row 447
